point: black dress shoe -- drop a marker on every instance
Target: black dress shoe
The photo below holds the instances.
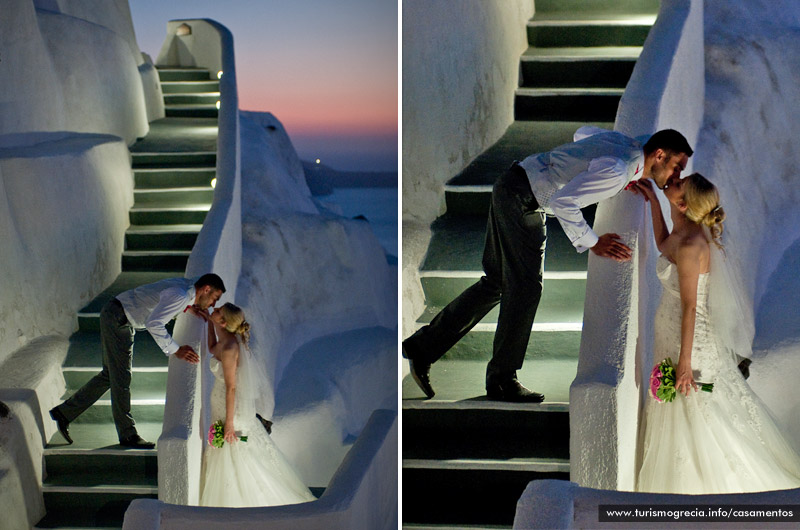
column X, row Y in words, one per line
column 136, row 442
column 421, row 373
column 512, row 390
column 62, row 422
column 266, row 423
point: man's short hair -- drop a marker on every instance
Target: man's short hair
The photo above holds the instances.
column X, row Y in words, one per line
column 669, row 140
column 212, row 280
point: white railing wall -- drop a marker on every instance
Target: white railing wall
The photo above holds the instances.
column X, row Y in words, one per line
column 218, row 249
column 362, row 495
column 666, row 90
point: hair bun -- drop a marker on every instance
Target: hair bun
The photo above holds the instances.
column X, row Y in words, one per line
column 715, row 216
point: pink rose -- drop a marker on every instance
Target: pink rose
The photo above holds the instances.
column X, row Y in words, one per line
column 655, row 382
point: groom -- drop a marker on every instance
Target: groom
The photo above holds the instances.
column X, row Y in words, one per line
column 148, row 307
column 596, row 166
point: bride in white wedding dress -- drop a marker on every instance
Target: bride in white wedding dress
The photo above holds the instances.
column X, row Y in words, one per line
column 241, row 473
column 724, row 441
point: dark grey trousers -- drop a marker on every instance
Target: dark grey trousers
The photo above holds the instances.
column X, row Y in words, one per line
column 513, row 258
column 116, row 336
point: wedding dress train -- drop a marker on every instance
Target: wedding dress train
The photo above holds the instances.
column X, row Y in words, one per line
column 251, row 473
column 724, row 441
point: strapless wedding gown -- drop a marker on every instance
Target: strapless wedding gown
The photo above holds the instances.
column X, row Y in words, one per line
column 251, row 473
column 724, row 441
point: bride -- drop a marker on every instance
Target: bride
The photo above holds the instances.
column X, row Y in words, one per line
column 724, row 441
column 241, row 473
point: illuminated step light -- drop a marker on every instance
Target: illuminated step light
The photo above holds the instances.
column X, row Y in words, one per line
column 214, row 182
column 318, row 161
column 217, row 105
column 219, row 74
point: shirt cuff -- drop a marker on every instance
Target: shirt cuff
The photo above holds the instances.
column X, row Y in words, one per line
column 172, row 347
column 586, row 241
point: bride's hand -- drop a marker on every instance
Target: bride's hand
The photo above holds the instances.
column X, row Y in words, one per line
column 645, row 187
column 202, row 313
column 230, row 433
column 684, row 380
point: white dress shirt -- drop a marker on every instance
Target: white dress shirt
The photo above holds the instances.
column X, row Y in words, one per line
column 151, row 306
column 596, row 166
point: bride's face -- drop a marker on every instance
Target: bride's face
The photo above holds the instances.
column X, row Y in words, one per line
column 675, row 192
column 216, row 317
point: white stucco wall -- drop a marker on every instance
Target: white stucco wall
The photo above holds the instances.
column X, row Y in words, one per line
column 548, row 504
column 747, row 147
column 665, row 91
column 460, row 71
column 69, row 73
column 63, row 212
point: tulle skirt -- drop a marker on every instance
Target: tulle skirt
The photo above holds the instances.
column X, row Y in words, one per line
column 251, row 473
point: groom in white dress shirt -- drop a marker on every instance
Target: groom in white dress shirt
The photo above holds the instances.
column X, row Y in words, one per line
column 596, row 166
column 147, row 307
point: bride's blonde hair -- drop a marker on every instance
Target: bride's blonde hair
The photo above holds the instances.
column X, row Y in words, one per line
column 235, row 322
column 702, row 204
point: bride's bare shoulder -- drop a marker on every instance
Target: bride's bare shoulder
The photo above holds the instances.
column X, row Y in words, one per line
column 693, row 249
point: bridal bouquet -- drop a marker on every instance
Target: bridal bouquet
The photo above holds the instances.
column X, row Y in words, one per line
column 662, row 382
column 216, row 435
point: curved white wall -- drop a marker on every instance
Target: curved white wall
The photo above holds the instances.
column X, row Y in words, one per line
column 460, row 71
column 67, row 73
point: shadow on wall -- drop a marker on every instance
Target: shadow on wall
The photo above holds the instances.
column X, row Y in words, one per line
column 778, row 316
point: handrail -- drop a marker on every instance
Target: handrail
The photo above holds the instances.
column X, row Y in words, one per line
column 218, row 249
column 666, row 90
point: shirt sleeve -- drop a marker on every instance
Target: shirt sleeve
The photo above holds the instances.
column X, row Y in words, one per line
column 171, row 302
column 603, row 179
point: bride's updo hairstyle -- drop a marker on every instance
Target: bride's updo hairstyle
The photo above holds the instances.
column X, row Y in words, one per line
column 702, row 204
column 235, row 322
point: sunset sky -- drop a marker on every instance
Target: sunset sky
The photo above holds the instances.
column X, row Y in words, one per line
column 326, row 69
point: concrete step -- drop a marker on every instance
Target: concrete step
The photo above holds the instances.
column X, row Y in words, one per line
column 604, row 8
column 154, row 237
column 176, row 215
column 415, row 526
column 577, row 104
column 562, row 298
column 146, row 383
column 90, row 508
column 589, row 31
column 179, row 135
column 146, row 410
column 192, row 87
column 178, row 195
column 165, row 160
column 181, row 73
column 85, row 352
column 92, row 469
column 456, row 248
column 193, row 110
column 462, row 382
column 488, row 430
column 471, row 491
column 544, row 343
column 153, row 178
column 469, row 191
column 124, row 282
column 155, row 260
column 578, row 67
column 196, row 98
